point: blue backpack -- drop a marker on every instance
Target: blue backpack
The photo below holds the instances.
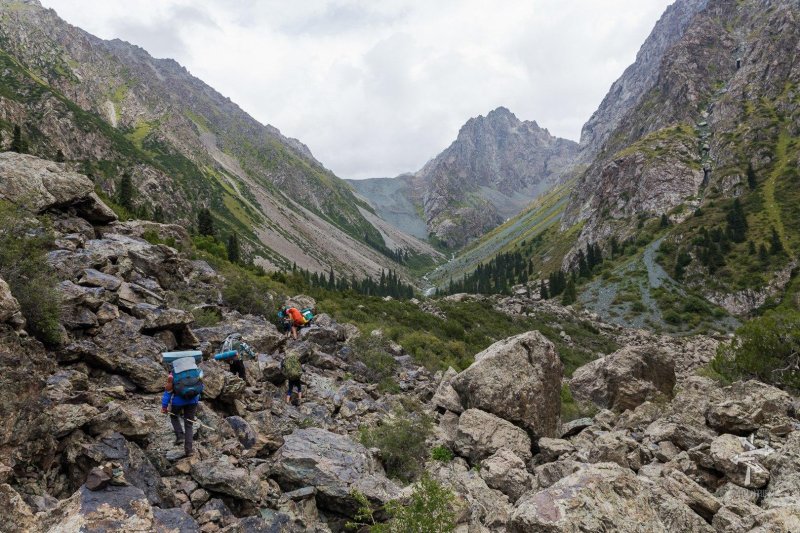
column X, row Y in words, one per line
column 187, row 379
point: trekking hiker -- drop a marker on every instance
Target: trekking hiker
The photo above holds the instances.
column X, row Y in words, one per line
column 296, row 318
column 181, row 396
column 293, row 371
column 234, row 343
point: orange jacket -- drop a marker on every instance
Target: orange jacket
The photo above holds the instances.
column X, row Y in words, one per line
column 296, row 316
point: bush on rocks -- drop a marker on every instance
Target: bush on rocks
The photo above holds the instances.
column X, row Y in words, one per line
column 401, row 440
column 766, row 348
column 23, row 264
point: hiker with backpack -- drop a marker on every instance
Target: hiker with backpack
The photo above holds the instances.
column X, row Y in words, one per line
column 234, row 343
column 181, row 396
column 293, row 372
column 296, row 319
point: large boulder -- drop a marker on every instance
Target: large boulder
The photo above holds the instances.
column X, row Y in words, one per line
column 489, row 509
column 26, row 431
column 123, row 508
column 41, row 185
column 158, row 318
column 335, row 465
column 728, row 454
column 170, row 234
column 506, row 472
column 125, row 419
column 481, row 434
column 625, row 378
column 446, row 396
column 599, row 497
column 517, row 379
column 17, row 515
column 262, row 335
column 219, row 475
column 748, row 406
column 119, row 347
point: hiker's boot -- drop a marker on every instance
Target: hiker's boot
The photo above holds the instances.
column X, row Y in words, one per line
column 179, row 439
column 188, row 452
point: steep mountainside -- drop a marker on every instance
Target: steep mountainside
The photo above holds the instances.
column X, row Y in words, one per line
column 721, row 122
column 638, row 78
column 695, row 190
column 493, row 169
column 108, row 107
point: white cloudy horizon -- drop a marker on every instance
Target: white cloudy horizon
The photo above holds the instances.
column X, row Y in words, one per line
column 376, row 89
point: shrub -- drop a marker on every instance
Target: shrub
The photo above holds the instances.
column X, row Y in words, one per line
column 401, row 440
column 371, row 351
column 24, row 242
column 247, row 294
column 766, row 348
column 204, row 318
column 429, row 509
column 442, row 454
column 571, row 409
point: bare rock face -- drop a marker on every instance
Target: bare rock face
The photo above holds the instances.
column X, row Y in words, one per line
column 506, row 472
column 481, row 434
column 335, row 465
column 9, row 306
column 517, row 379
column 112, row 509
column 727, row 454
column 599, row 497
column 40, row 185
column 17, row 515
column 219, row 475
column 749, row 405
column 625, row 378
column 446, row 396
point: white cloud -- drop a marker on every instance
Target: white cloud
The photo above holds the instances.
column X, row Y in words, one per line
column 378, row 88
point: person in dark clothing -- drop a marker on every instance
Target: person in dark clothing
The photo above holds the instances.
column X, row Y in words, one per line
column 180, row 408
column 234, row 342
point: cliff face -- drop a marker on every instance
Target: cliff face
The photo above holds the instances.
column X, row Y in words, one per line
column 109, row 107
column 722, row 103
column 639, row 77
column 493, row 169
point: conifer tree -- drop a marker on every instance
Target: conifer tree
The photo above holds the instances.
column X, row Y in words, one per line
column 331, row 279
column 737, row 222
column 125, row 196
column 234, row 253
column 17, row 144
column 205, row 222
column 570, row 293
column 543, row 291
column 59, row 156
column 664, row 220
column 775, row 244
column 763, row 254
column 751, row 177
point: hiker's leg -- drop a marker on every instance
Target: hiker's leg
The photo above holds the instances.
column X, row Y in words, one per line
column 294, row 331
column 189, row 413
column 288, row 391
column 176, row 421
column 237, row 367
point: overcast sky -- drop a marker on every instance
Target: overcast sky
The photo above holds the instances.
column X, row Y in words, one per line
column 377, row 88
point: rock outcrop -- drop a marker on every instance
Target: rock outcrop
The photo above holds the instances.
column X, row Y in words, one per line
column 517, row 379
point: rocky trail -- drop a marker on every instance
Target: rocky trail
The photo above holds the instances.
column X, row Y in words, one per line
column 666, row 450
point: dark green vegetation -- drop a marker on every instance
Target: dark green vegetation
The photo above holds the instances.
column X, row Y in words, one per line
column 387, row 285
column 401, row 439
column 379, row 365
column 24, row 243
column 767, row 349
column 429, row 509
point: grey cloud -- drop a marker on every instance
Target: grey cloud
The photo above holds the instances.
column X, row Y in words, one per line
column 163, row 38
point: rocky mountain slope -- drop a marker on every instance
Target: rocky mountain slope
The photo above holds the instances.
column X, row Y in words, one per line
column 707, row 115
column 638, row 78
column 493, row 169
column 108, row 107
column 666, row 449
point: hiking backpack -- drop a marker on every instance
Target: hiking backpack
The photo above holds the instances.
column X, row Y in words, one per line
column 187, row 379
column 234, row 342
column 292, row 368
column 308, row 314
